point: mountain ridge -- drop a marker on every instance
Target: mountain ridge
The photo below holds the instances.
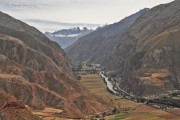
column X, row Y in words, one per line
column 144, row 59
column 97, row 41
column 39, row 75
column 66, row 37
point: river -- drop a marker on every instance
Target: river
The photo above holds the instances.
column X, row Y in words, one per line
column 109, row 84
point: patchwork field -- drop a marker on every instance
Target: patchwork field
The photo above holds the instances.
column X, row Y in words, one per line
column 132, row 110
column 96, row 85
column 144, row 113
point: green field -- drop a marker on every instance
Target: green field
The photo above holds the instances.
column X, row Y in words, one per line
column 96, row 85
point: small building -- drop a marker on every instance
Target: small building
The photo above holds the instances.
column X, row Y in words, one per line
column 96, row 65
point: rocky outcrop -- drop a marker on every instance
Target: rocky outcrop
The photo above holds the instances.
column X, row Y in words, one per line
column 12, row 109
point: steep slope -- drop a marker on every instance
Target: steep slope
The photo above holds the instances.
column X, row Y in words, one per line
column 12, row 23
column 40, row 76
column 67, row 37
column 98, row 46
column 145, row 59
column 41, row 89
column 146, row 62
column 57, row 59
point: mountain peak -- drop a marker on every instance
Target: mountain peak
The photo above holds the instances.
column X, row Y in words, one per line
column 66, row 37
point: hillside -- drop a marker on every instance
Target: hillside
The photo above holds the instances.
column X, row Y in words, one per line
column 17, row 25
column 67, row 37
column 146, row 62
column 39, row 75
column 97, row 46
column 30, row 42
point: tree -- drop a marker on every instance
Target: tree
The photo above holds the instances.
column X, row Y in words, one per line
column 78, row 77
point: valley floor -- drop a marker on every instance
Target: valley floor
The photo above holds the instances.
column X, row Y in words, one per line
column 131, row 109
column 144, row 112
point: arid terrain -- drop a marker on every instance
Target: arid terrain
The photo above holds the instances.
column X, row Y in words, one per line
column 38, row 72
column 128, row 69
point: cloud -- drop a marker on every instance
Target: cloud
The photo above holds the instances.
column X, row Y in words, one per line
column 76, row 11
column 52, row 26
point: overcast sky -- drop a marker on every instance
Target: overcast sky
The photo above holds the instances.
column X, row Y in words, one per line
column 76, row 11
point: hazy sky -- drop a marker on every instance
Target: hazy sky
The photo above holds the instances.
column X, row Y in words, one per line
column 76, row 11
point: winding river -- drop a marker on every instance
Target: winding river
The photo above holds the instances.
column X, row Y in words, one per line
column 109, row 84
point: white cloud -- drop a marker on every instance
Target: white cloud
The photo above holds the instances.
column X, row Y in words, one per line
column 76, row 11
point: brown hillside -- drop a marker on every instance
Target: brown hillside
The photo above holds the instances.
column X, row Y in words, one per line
column 98, row 46
column 11, row 109
column 144, row 58
column 12, row 23
column 41, row 77
column 147, row 60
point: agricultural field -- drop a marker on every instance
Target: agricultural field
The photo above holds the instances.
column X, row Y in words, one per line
column 96, row 85
column 9, row 76
column 47, row 113
column 175, row 111
column 144, row 112
column 132, row 110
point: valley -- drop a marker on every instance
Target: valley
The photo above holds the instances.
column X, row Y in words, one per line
column 140, row 52
column 128, row 108
column 126, row 70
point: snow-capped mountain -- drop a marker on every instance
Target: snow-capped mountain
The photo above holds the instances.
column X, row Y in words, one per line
column 66, row 37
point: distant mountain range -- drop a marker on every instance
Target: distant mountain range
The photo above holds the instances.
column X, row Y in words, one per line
column 52, row 26
column 66, row 37
column 142, row 55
